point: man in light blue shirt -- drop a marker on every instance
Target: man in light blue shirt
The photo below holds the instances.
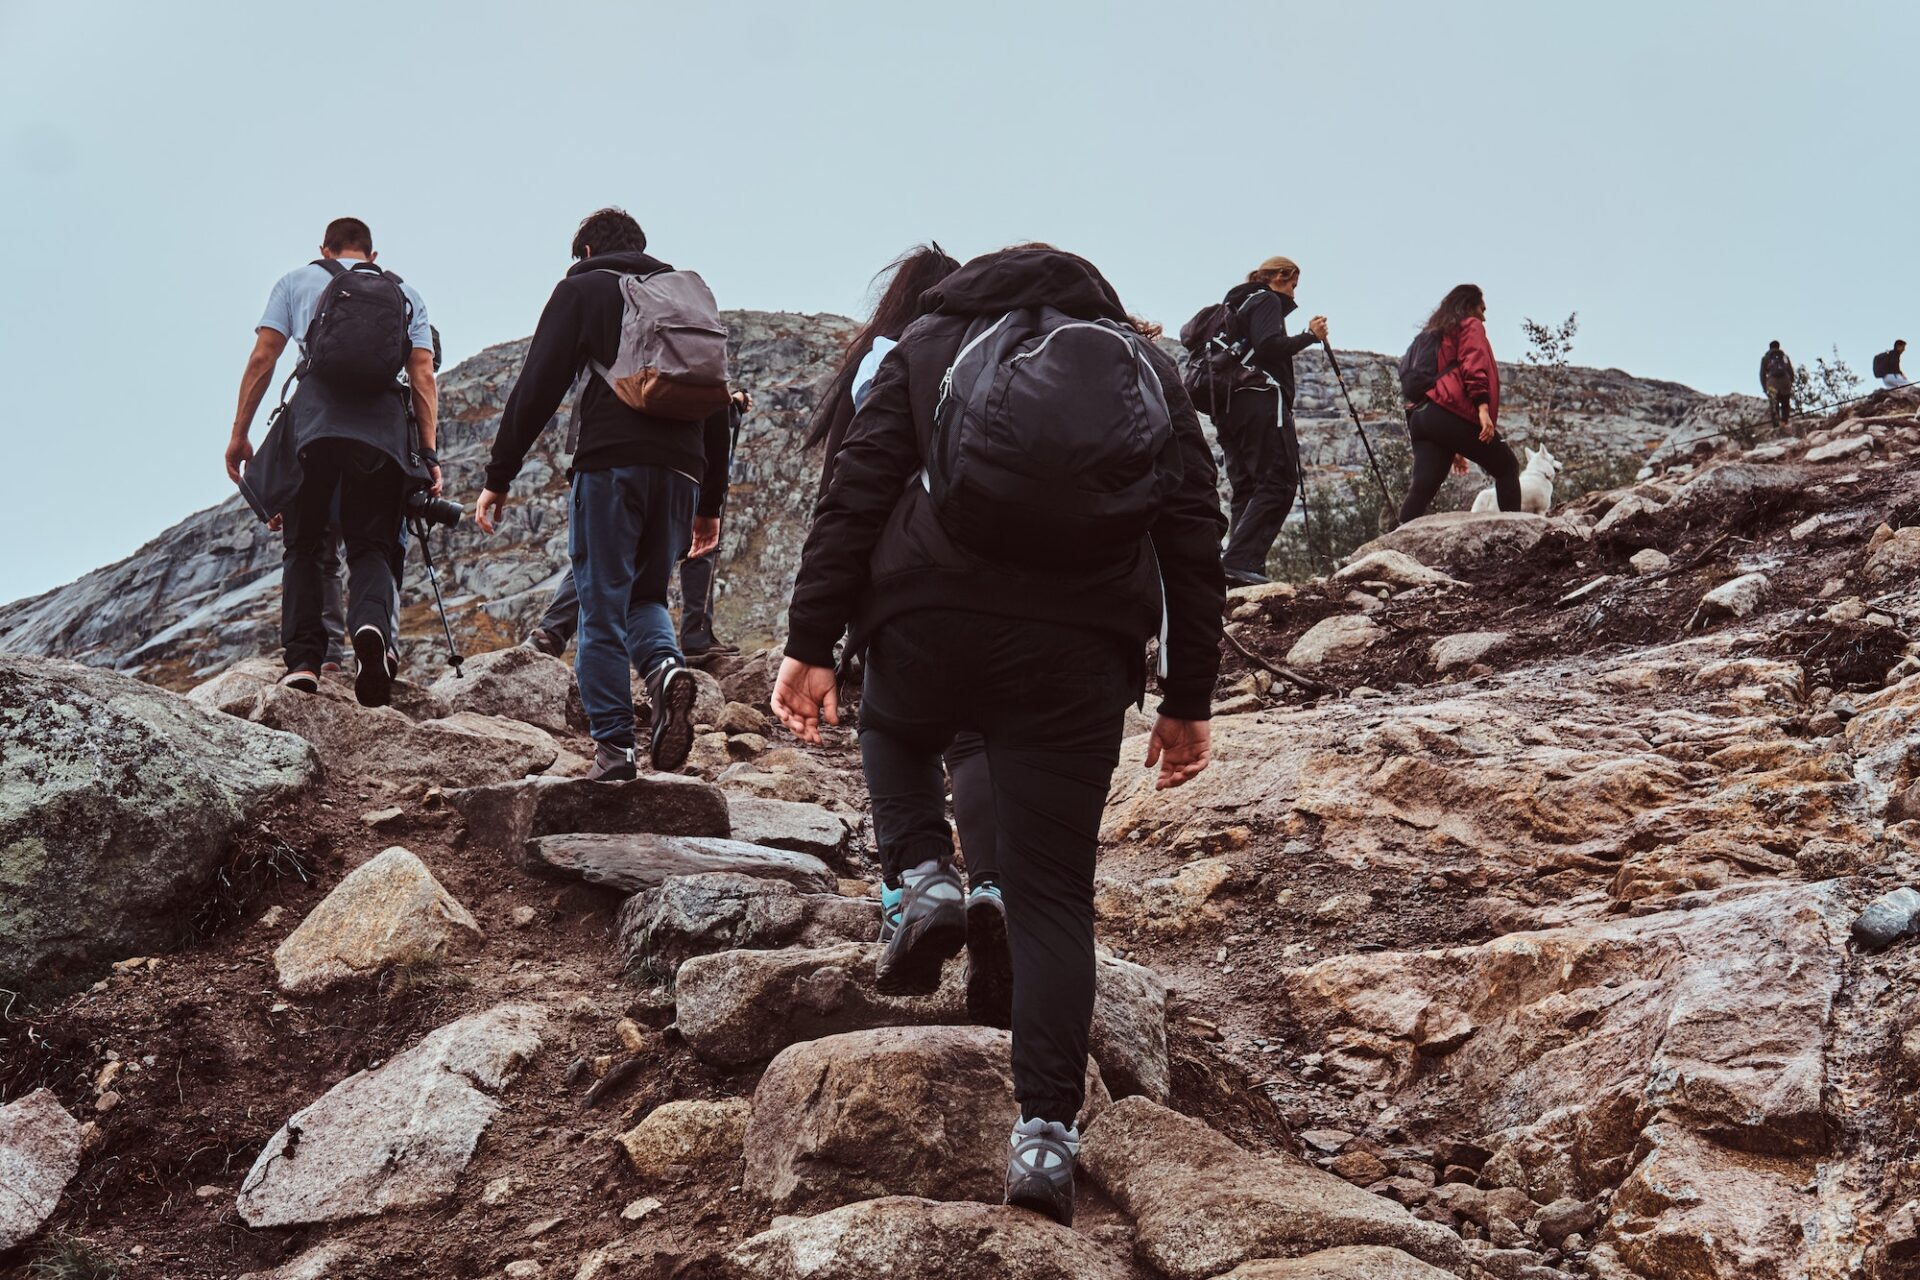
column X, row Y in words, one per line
column 342, row 453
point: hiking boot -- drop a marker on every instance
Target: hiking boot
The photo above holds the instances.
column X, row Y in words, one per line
column 989, row 960
column 375, row 666
column 1244, row 577
column 891, row 902
column 932, row 928
column 612, row 764
column 698, row 641
column 671, row 690
column 1040, row 1169
column 546, row 642
column 303, row 680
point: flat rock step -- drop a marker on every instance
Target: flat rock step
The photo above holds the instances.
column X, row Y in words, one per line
column 505, row 816
column 631, row 863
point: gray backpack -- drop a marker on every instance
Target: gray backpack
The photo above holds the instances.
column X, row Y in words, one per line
column 673, row 348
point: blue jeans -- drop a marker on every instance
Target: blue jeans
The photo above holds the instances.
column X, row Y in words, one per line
column 630, row 526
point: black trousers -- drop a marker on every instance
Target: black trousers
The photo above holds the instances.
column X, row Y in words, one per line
column 370, row 488
column 972, row 782
column 1437, row 434
column 1262, row 452
column 1047, row 702
column 1779, row 399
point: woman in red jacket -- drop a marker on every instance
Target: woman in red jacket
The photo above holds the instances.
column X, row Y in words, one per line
column 1460, row 418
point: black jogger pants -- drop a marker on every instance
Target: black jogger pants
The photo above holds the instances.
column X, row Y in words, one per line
column 1048, row 702
column 1437, row 434
column 1262, row 453
column 370, row 488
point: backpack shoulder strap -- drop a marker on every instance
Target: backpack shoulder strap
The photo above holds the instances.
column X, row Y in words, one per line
column 329, row 266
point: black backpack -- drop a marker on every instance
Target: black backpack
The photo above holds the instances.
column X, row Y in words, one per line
column 1883, row 364
column 1052, row 442
column 1776, row 365
column 1217, row 358
column 1420, row 370
column 357, row 342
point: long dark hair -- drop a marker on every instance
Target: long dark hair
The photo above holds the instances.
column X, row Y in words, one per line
column 908, row 277
column 1461, row 301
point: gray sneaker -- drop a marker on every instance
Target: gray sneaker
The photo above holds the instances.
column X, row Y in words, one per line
column 1040, row 1168
column 989, row 958
column 932, row 929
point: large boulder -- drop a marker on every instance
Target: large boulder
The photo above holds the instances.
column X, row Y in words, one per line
column 388, row 911
column 1352, row 1262
column 119, row 803
column 721, row 910
column 506, row 815
column 1463, row 539
column 383, row 745
column 1897, row 558
column 397, row 1136
column 920, row 1111
column 1333, row 638
column 520, row 683
column 633, row 863
column 39, row 1156
column 686, row 1135
column 1202, row 1205
column 926, row 1239
column 1733, row 486
column 1129, row 1034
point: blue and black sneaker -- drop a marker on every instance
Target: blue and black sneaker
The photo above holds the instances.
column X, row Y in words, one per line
column 1040, row 1168
column 989, row 960
column 892, row 901
column 932, row 928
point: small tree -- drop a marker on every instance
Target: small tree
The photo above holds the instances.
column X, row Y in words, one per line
column 1830, row 384
column 1549, row 378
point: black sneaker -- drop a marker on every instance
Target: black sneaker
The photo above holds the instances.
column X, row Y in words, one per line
column 932, row 929
column 1244, row 577
column 546, row 642
column 671, row 690
column 375, row 666
column 303, row 680
column 612, row 764
column 989, row 960
column 1040, row 1169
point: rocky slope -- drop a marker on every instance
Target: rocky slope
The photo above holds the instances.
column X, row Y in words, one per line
column 1547, row 912
column 206, row 592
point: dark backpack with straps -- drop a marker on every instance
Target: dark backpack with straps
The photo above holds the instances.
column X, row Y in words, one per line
column 357, row 341
column 1420, row 370
column 1884, row 364
column 1776, row 365
column 1052, row 441
column 1217, row 358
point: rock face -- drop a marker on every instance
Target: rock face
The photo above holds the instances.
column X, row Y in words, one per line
column 396, row 1137
column 696, row 915
column 1460, row 539
column 39, row 1156
column 388, row 911
column 118, row 805
column 507, row 815
column 633, row 863
column 1332, row 637
column 920, row 1111
column 518, row 683
column 381, row 743
column 902, row 1236
column 1202, row 1206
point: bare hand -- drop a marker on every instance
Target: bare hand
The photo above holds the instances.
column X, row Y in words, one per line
column 743, row 401
column 276, row 522
column 239, row 450
column 1487, row 430
column 1182, row 749
column 487, row 511
column 434, row 473
column 1459, row 464
column 801, row 694
column 1318, row 327
column 706, row 536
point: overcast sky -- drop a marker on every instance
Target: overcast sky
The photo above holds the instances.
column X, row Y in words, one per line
column 1694, row 178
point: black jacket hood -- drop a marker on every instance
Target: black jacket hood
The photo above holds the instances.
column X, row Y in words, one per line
column 1241, row 292
column 1014, row 278
column 631, row 262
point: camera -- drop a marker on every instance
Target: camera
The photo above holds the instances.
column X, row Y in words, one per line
column 424, row 507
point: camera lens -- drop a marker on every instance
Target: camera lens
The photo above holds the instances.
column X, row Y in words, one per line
column 422, row 505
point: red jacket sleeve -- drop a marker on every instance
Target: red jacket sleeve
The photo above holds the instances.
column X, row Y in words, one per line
column 1479, row 373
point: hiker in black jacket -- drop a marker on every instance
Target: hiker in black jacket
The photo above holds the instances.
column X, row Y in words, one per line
column 1257, row 433
column 1886, row 365
column 644, row 488
column 1776, row 383
column 1042, row 661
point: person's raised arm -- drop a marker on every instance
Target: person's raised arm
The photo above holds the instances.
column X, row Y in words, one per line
column 267, row 346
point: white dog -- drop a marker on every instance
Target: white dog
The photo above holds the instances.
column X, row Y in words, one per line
column 1536, row 485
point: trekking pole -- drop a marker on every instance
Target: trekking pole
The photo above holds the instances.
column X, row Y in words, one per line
column 423, row 532
column 1386, row 497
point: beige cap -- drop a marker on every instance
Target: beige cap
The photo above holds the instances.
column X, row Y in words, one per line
column 1281, row 266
